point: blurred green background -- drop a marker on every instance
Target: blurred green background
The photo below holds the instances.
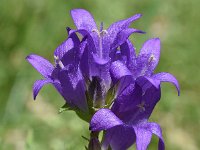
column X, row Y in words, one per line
column 38, row 26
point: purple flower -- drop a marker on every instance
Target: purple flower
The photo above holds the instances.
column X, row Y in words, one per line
column 97, row 56
column 66, row 76
column 127, row 121
column 82, row 65
column 142, row 65
column 101, row 69
column 139, row 91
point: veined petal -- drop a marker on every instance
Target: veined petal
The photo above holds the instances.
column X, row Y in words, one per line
column 119, row 137
column 167, row 77
column 123, row 35
column 149, row 55
column 38, row 85
column 116, row 27
column 104, row 119
column 83, row 19
column 43, row 66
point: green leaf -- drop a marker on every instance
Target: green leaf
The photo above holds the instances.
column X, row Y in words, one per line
column 85, row 138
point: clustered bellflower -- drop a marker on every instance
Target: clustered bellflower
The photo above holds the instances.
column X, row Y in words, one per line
column 102, row 79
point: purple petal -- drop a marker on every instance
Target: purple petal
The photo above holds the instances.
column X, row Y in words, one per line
column 64, row 47
column 104, row 119
column 149, row 56
column 83, row 19
column 92, row 65
column 100, row 67
column 92, row 38
column 123, row 83
column 123, row 35
column 69, row 43
column 126, row 104
column 143, row 137
column 43, row 66
column 38, row 85
column 155, row 129
column 167, row 77
column 85, row 62
column 115, row 28
column 127, row 49
column 147, row 82
column 99, row 60
column 151, row 96
column 71, row 57
column 136, row 102
column 118, row 70
column 120, row 75
column 73, row 87
column 119, row 137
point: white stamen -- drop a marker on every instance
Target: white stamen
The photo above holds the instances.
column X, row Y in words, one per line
column 59, row 62
column 141, row 106
column 151, row 58
column 100, row 35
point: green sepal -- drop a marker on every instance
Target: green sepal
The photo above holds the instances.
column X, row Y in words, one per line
column 65, row 107
column 86, row 116
column 110, row 96
column 83, row 115
column 89, row 101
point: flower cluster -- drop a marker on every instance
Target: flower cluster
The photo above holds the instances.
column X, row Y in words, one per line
column 102, row 79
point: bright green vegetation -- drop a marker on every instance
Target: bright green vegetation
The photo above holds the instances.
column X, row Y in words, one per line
column 38, row 26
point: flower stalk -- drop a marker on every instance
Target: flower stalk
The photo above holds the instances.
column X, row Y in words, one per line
column 94, row 143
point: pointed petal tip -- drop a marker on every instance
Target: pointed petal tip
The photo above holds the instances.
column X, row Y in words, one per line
column 77, row 10
column 34, row 97
column 29, row 57
column 138, row 16
column 156, row 39
column 167, row 77
column 142, row 32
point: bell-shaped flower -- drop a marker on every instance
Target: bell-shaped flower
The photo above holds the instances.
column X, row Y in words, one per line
column 65, row 75
column 126, row 122
column 142, row 65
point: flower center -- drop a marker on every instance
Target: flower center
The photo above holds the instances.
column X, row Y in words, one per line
column 59, row 62
column 141, row 106
column 100, row 34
